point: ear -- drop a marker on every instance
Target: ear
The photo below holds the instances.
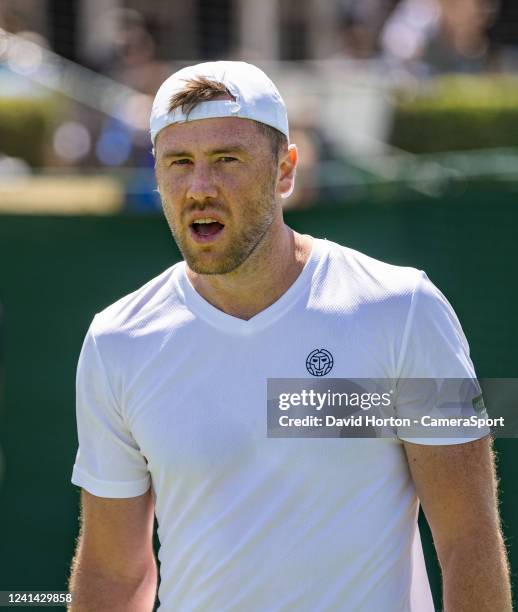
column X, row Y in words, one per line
column 287, row 168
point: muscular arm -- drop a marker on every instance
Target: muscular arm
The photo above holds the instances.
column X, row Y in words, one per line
column 114, row 568
column 457, row 488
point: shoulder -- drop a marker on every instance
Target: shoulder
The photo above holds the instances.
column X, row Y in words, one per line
column 139, row 311
column 381, row 287
column 126, row 335
column 370, row 280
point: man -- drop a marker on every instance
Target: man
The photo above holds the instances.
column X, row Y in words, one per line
column 171, row 392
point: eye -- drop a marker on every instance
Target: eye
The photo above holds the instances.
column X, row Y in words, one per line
column 227, row 159
column 180, row 162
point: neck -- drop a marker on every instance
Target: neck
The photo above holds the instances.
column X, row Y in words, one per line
column 260, row 281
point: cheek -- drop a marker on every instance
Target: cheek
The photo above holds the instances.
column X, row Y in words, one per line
column 166, row 183
column 170, row 190
column 232, row 185
column 252, row 181
column 169, row 202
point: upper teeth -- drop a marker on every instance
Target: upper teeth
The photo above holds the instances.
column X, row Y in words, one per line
column 206, row 220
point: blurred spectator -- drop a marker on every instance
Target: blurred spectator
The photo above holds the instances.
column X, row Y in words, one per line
column 439, row 35
column 9, row 20
column 133, row 62
column 359, row 38
column 503, row 35
column 18, row 15
column 361, row 22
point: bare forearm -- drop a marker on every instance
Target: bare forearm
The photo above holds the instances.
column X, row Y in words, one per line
column 93, row 591
column 476, row 576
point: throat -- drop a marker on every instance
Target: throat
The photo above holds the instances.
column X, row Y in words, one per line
column 251, row 289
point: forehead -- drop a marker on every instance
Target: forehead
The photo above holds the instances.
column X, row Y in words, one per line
column 211, row 133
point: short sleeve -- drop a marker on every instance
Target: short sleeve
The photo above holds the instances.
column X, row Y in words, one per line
column 436, row 376
column 108, row 462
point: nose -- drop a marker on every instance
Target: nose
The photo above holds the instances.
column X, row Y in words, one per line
column 201, row 184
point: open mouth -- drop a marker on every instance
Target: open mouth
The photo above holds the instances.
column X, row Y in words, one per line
column 206, row 230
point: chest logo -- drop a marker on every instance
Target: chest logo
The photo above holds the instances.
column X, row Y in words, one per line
column 319, row 362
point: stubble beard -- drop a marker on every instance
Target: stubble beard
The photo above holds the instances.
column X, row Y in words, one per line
column 242, row 244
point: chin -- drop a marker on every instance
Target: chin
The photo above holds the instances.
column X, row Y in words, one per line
column 215, row 267
column 220, row 259
column 205, row 263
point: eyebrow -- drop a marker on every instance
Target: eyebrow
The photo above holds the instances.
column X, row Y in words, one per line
column 220, row 151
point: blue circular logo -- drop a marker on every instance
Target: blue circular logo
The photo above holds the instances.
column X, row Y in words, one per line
column 319, row 362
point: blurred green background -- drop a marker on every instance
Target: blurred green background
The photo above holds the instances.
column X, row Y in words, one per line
column 56, row 272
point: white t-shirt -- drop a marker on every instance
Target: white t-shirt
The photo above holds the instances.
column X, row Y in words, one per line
column 171, row 392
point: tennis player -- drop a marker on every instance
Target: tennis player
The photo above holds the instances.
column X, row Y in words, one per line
column 171, row 400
